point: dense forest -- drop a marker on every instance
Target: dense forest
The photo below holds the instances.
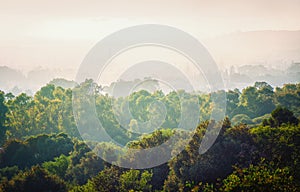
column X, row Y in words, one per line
column 257, row 149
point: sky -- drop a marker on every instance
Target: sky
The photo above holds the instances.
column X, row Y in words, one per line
column 58, row 34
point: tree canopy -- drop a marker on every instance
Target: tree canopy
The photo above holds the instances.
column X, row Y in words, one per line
column 257, row 148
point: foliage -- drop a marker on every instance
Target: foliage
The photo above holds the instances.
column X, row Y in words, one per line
column 41, row 149
column 35, row 179
column 57, row 167
column 107, row 180
column 262, row 177
column 135, row 180
column 35, row 150
column 241, row 118
column 7, row 173
column 279, row 116
column 3, row 111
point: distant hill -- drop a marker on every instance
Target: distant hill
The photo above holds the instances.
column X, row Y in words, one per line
column 9, row 78
column 269, row 48
column 63, row 83
column 271, row 56
column 15, row 81
column 246, row 75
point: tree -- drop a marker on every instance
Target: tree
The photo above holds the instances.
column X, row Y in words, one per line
column 107, row 180
column 217, row 162
column 90, row 165
column 262, row 177
column 15, row 153
column 279, row 116
column 256, row 100
column 36, row 180
column 232, row 101
column 280, row 145
column 289, row 97
column 135, row 180
column 241, row 118
column 8, row 173
column 3, row 111
column 20, row 116
column 282, row 115
column 35, row 150
column 57, row 167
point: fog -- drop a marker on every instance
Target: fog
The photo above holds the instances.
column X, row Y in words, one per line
column 40, row 41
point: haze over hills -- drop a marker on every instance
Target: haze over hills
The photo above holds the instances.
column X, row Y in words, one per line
column 277, row 49
column 236, row 77
column 13, row 80
column 243, row 57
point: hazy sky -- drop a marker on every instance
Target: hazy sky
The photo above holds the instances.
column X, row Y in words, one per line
column 58, row 34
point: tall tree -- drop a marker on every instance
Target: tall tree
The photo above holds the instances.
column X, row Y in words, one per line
column 3, row 111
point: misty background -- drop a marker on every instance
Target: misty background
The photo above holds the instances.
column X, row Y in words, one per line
column 249, row 40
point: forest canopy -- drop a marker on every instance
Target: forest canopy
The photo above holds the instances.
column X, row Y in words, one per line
column 259, row 141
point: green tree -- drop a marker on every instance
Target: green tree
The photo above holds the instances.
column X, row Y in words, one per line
column 289, row 97
column 8, row 173
column 217, row 162
column 35, row 150
column 256, row 100
column 135, row 180
column 262, row 177
column 232, row 101
column 3, row 111
column 241, row 118
column 57, row 167
column 107, row 180
column 89, row 165
column 36, row 180
column 280, row 145
column 282, row 115
column 18, row 118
